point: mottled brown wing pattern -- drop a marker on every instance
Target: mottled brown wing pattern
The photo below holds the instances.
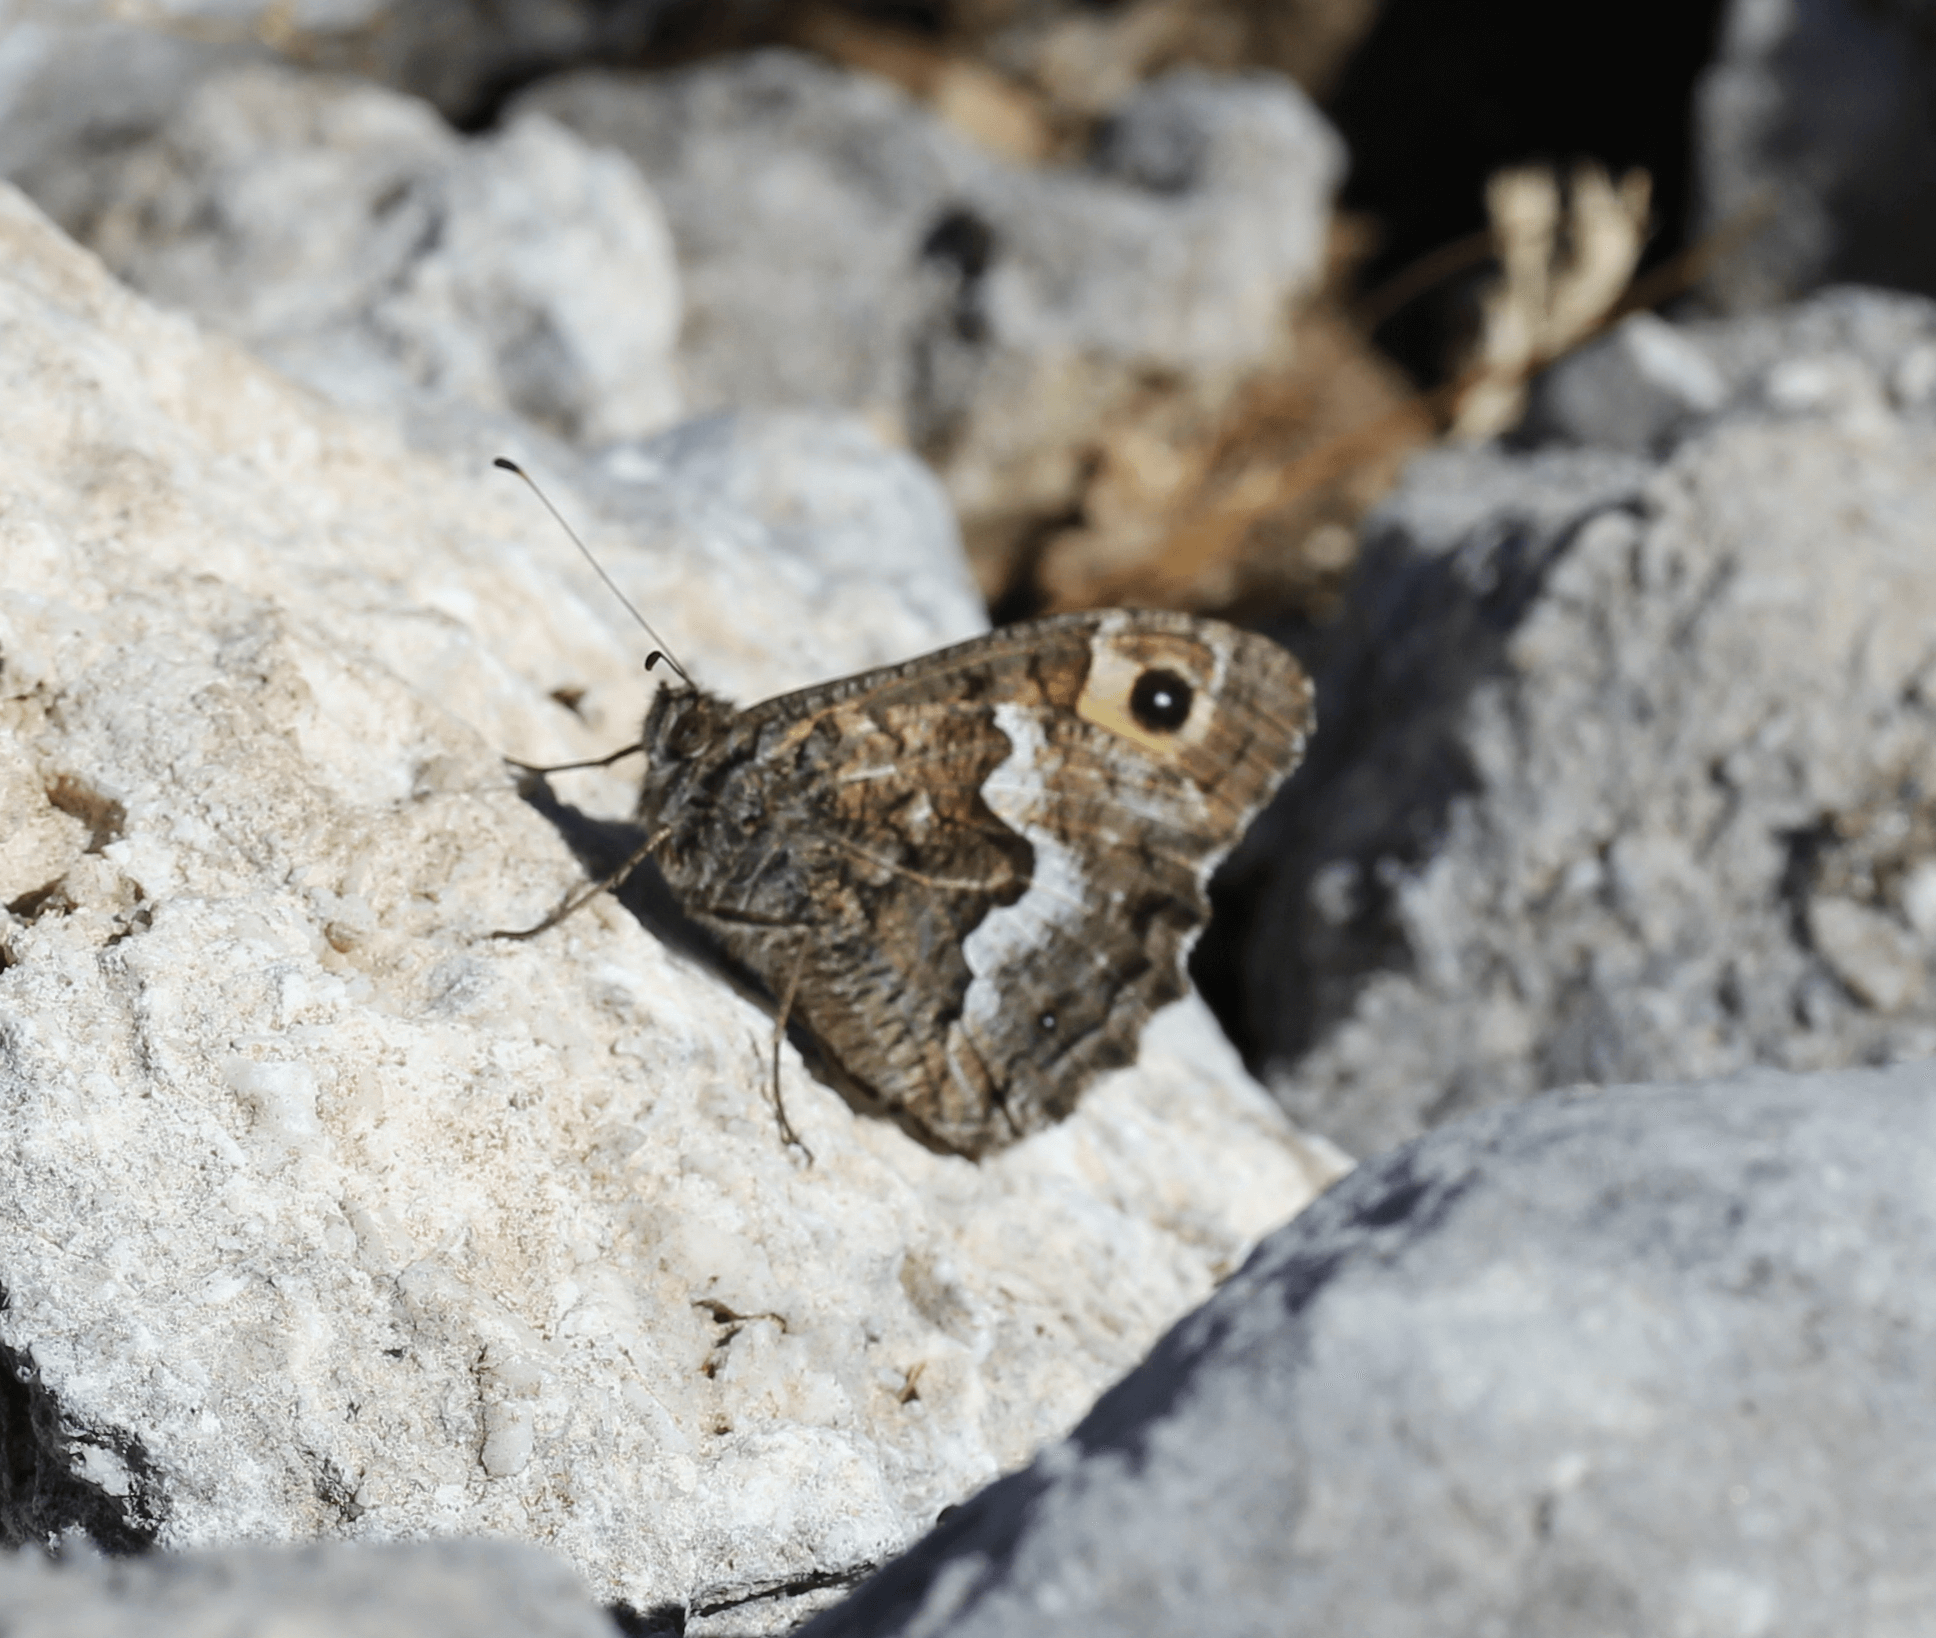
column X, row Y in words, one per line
column 979, row 872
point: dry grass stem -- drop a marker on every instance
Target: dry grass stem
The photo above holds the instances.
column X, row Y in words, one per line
column 1564, row 262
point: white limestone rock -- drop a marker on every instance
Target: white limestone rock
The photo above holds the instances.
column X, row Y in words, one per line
column 324, row 1214
column 354, row 240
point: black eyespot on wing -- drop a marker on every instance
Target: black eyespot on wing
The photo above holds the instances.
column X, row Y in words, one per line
column 1161, row 701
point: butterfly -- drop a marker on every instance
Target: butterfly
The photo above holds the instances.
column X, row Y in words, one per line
column 973, row 876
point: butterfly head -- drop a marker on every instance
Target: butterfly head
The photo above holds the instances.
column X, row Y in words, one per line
column 682, row 723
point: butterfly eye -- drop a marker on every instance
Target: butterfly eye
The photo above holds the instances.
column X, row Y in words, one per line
column 1161, row 701
column 1047, row 1021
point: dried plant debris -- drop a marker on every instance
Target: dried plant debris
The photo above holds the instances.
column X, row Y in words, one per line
column 1566, row 256
column 1252, row 507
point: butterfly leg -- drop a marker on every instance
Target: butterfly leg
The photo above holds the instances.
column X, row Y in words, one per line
column 532, row 770
column 574, row 902
column 787, row 1133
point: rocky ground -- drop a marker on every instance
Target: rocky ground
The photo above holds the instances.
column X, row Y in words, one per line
column 1600, row 925
column 1642, row 1360
column 1627, row 772
column 329, row 1214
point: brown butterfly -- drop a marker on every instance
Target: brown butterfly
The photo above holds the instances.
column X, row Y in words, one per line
column 975, row 875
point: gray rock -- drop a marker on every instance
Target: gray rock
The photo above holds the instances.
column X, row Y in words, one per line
column 1653, row 1360
column 839, row 245
column 349, row 237
column 1869, row 349
column 1634, row 390
column 1848, row 354
column 1605, row 746
column 1814, row 117
column 448, row 1589
column 80, row 86
column 800, row 196
column 82, row 81
column 462, row 54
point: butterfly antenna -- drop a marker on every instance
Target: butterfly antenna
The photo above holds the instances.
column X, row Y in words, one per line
column 664, row 650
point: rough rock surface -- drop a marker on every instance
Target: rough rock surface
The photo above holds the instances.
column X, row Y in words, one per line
column 323, row 1213
column 856, row 538
column 100, row 73
column 1625, row 767
column 1847, row 355
column 995, row 316
column 1652, row 1360
column 840, row 245
column 1813, row 123
column 357, row 243
column 450, row 1589
column 86, row 80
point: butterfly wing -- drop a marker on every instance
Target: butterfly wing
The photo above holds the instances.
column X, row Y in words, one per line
column 980, row 872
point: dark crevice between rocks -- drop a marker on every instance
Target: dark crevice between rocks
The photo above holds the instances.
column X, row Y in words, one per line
column 43, row 1495
column 986, row 1527
column 669, row 1620
column 28, row 906
column 964, row 242
column 472, row 76
column 104, row 817
column 1022, row 596
column 660, row 1621
column 796, row 1587
column 1801, row 868
column 950, row 348
column 1442, row 93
